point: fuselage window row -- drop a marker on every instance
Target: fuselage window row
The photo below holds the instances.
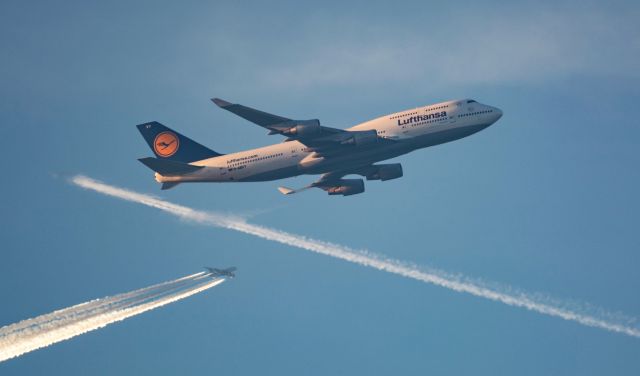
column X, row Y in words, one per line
column 256, row 160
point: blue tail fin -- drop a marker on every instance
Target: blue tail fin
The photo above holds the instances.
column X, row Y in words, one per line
column 170, row 145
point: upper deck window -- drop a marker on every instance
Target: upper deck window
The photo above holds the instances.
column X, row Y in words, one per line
column 471, row 101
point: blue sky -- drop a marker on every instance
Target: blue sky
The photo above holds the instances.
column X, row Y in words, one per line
column 545, row 200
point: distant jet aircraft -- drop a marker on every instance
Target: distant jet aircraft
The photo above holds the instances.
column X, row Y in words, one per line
column 311, row 148
column 228, row 272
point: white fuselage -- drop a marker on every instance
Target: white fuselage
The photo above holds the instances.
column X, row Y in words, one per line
column 412, row 129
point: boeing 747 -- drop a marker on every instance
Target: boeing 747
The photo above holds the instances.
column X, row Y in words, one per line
column 314, row 149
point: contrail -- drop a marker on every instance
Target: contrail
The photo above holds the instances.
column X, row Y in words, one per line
column 23, row 329
column 436, row 277
column 28, row 335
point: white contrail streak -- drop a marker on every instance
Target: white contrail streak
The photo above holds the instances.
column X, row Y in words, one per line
column 436, row 277
column 67, row 315
column 45, row 330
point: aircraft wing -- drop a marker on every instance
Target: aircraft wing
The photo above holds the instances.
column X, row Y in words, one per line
column 325, row 141
column 333, row 183
column 261, row 118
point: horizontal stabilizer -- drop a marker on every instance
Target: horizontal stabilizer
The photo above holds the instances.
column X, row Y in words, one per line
column 169, row 185
column 169, row 168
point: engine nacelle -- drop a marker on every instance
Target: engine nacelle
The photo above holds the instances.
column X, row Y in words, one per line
column 304, row 129
column 347, row 187
column 360, row 138
column 310, row 161
column 386, row 172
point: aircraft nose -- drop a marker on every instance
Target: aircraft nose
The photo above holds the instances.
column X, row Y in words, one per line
column 498, row 113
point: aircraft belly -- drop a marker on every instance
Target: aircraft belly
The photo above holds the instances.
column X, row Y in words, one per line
column 360, row 159
column 446, row 135
column 275, row 174
column 400, row 147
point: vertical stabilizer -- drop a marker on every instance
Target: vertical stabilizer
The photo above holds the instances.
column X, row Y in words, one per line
column 168, row 144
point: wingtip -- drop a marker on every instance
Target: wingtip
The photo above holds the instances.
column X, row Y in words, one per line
column 286, row 191
column 220, row 102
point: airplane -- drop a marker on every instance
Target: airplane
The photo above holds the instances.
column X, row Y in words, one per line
column 224, row 273
column 311, row 148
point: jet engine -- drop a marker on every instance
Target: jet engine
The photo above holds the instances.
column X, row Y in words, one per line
column 360, row 138
column 347, row 187
column 386, row 172
column 304, row 129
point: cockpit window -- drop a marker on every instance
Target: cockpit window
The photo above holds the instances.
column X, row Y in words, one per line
column 471, row 101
